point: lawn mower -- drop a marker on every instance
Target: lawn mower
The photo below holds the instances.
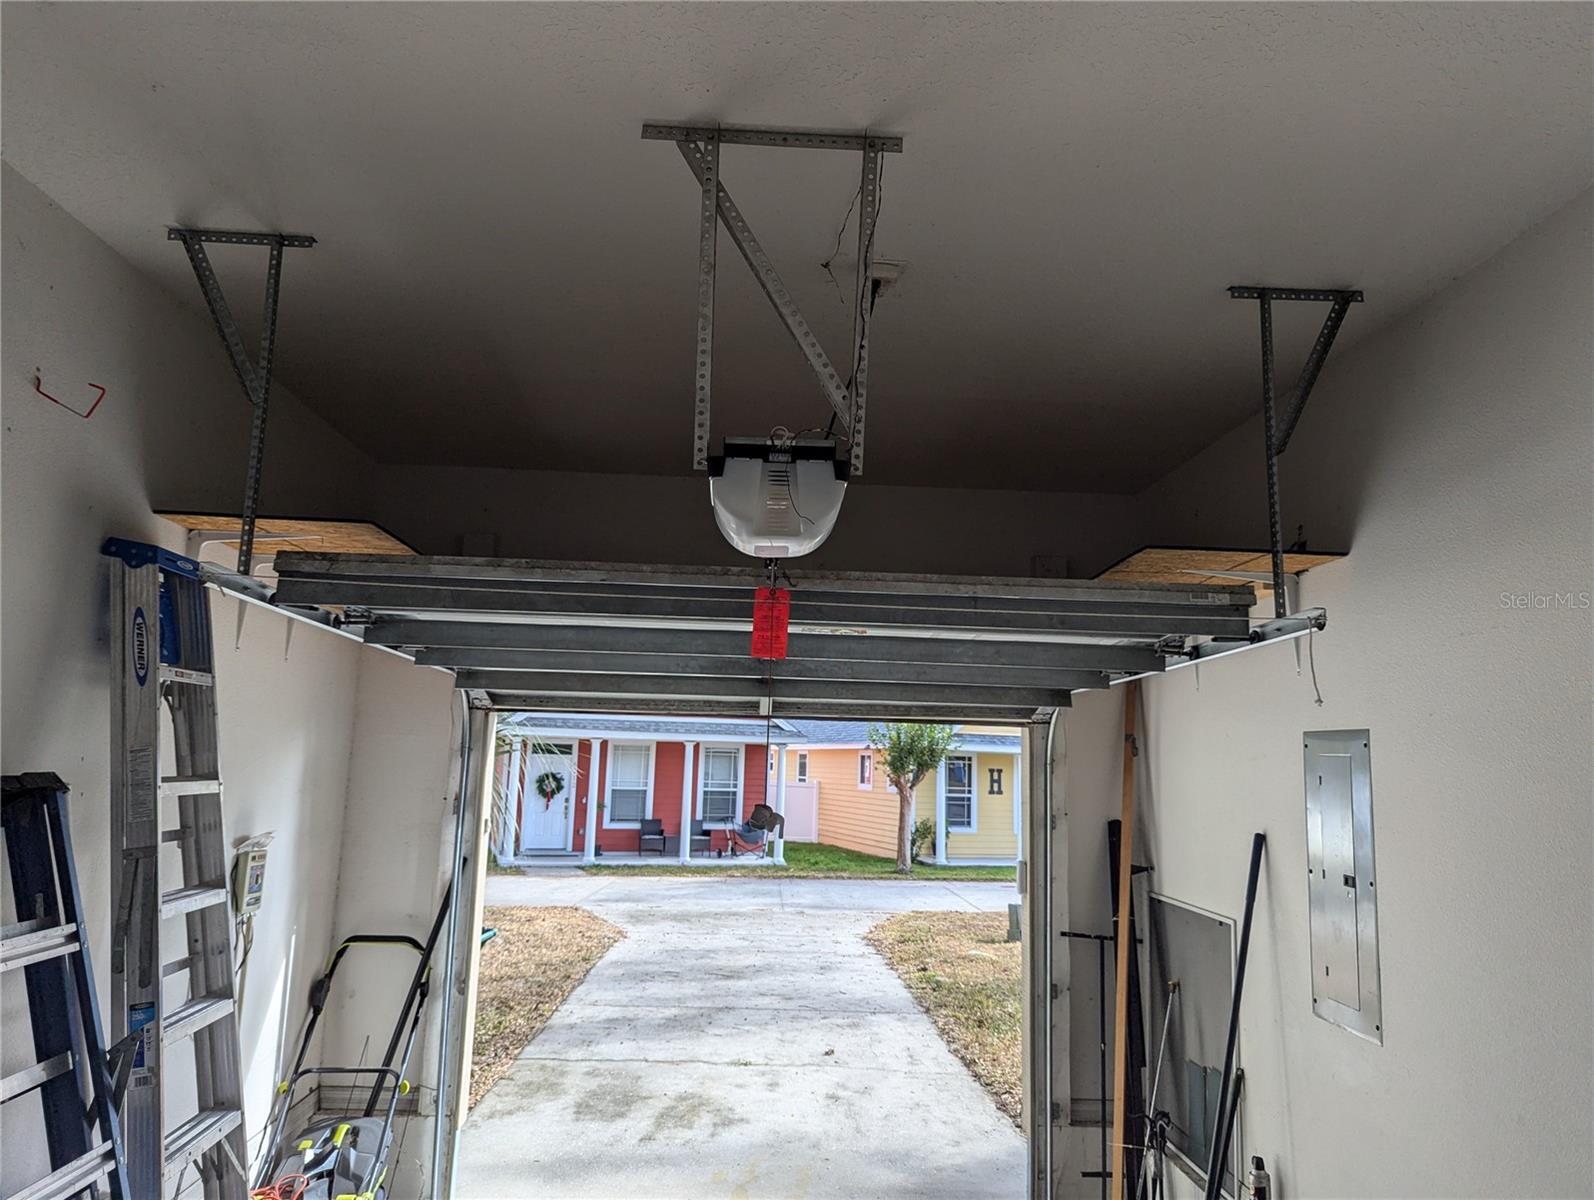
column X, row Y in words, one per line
column 345, row 1157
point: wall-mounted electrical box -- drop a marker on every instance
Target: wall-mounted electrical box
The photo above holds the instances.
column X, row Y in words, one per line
column 249, row 875
column 1341, row 884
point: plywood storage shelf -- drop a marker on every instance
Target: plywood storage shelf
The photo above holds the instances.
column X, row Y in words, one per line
column 1191, row 564
column 293, row 533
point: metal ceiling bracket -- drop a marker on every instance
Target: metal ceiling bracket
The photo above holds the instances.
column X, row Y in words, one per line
column 769, row 280
column 800, row 139
column 254, row 376
column 699, row 146
column 708, row 229
column 1276, row 433
column 1301, row 624
column 868, row 214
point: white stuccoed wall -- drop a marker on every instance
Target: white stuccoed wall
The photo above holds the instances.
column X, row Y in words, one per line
column 287, row 721
column 397, row 848
column 1454, row 453
column 171, row 432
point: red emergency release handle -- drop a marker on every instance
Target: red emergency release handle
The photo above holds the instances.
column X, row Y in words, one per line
column 771, row 615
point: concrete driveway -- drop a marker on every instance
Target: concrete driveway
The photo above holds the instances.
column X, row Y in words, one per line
column 742, row 1042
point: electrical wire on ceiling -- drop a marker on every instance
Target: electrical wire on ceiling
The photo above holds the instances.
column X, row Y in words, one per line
column 871, row 284
column 846, row 217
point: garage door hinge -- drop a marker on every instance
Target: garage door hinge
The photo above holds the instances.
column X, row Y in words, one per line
column 1055, row 993
column 1057, row 1113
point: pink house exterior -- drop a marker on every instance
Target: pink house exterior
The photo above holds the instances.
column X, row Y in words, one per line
column 602, row 776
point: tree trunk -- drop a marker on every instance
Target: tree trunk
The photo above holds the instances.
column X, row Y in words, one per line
column 904, row 829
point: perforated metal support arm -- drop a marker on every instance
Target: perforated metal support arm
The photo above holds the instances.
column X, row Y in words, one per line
column 255, row 377
column 868, row 214
column 1276, row 433
column 699, row 146
column 708, row 229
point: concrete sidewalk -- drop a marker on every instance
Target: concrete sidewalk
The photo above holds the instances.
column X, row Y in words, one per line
column 743, row 1041
column 568, row 885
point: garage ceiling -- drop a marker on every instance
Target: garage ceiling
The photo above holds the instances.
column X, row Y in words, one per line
column 506, row 271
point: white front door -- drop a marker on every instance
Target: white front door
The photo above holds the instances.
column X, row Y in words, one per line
column 545, row 799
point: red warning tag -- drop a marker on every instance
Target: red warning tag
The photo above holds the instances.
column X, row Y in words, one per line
column 771, row 613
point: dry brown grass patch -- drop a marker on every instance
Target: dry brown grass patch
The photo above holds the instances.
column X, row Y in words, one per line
column 527, row 972
column 966, row 976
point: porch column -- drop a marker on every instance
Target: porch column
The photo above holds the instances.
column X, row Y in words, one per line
column 589, row 849
column 690, row 752
column 509, row 817
column 940, row 813
column 1018, row 806
column 780, row 804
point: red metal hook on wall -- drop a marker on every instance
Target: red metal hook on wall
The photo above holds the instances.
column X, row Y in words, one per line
column 38, row 387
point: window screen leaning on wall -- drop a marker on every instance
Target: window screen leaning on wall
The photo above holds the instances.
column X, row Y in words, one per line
column 720, row 784
column 628, row 783
column 1197, row 949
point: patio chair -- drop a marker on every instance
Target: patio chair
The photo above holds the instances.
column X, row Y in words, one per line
column 745, row 839
column 700, row 838
column 651, row 830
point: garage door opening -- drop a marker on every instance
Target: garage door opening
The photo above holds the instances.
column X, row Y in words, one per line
column 604, row 642
column 758, row 1011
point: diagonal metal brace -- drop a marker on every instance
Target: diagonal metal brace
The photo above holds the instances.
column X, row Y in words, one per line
column 1276, row 432
column 780, row 297
column 1295, row 402
column 254, row 376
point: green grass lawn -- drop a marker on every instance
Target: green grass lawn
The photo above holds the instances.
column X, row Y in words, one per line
column 810, row 861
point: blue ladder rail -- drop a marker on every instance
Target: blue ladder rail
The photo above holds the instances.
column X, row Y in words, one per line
column 48, row 944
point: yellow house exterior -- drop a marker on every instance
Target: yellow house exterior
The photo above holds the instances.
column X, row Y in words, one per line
column 976, row 788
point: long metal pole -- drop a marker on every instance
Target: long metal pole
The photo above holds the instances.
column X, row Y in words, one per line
column 1226, row 1094
column 1123, row 930
column 1101, row 1020
column 1226, row 1131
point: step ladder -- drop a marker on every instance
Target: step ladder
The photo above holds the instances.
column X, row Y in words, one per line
column 47, row 944
column 169, row 860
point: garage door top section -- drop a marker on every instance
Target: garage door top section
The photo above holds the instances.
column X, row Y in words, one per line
column 598, row 637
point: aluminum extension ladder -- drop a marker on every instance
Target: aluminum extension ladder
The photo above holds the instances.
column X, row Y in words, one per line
column 161, row 651
column 48, row 943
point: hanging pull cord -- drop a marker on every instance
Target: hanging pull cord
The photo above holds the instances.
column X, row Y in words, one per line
column 773, row 567
column 1312, row 659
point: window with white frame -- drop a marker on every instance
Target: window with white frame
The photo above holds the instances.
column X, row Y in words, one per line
column 722, row 784
column 802, row 766
column 865, row 770
column 959, row 791
column 629, row 771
